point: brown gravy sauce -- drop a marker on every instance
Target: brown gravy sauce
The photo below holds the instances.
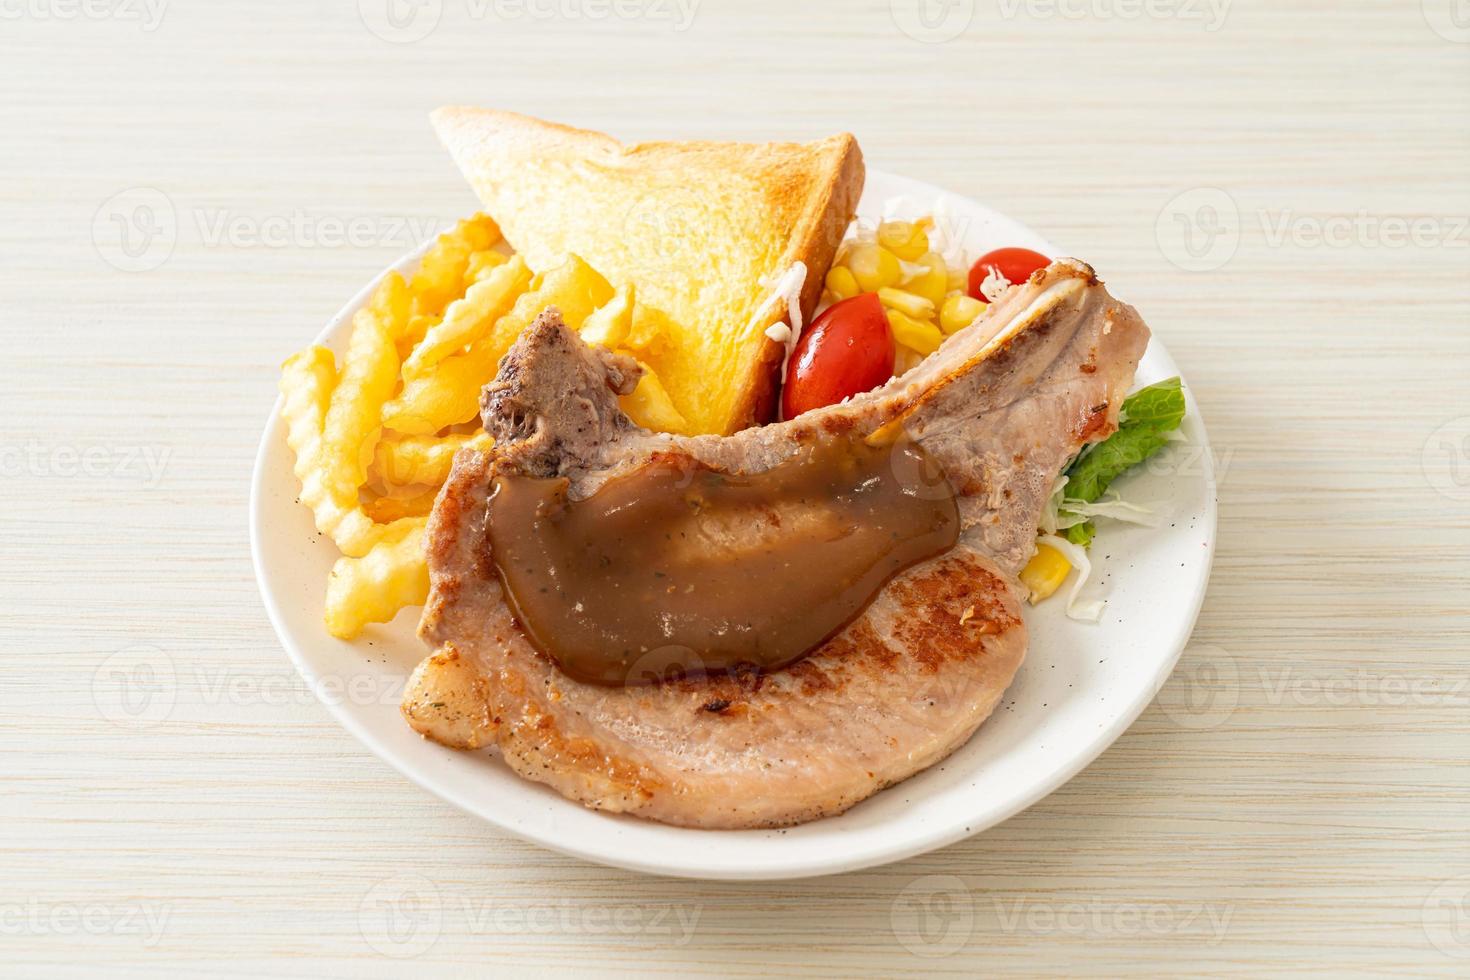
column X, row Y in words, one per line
column 677, row 569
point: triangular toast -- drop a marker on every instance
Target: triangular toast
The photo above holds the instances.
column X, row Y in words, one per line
column 702, row 230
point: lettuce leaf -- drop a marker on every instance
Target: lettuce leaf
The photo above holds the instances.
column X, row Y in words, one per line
column 1148, row 416
column 1159, row 405
column 1081, row 534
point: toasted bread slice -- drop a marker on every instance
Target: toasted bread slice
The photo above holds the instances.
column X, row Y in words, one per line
column 702, row 230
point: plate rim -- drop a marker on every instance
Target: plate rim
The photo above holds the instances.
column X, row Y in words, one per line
column 916, row 844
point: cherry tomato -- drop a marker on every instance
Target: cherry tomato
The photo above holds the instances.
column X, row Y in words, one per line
column 1016, row 264
column 847, row 350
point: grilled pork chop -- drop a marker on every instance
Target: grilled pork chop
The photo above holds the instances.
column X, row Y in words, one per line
column 1001, row 407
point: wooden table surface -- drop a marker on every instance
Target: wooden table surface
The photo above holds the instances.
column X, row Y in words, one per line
column 189, row 189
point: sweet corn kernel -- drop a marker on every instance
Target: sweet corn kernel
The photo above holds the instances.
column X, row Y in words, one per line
column 1045, row 572
column 931, row 281
column 957, row 279
column 913, row 304
column 841, row 283
column 904, row 239
column 873, row 267
column 916, row 335
column 958, row 312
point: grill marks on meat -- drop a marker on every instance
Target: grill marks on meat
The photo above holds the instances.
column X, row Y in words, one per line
column 1002, row 406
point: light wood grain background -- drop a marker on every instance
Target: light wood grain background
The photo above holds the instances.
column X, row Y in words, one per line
column 1300, row 798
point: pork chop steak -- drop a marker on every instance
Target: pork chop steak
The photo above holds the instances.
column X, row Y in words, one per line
column 1001, row 407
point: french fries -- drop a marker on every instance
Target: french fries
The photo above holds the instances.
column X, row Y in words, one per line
column 574, row 288
column 650, row 406
column 391, row 509
column 611, row 324
column 480, row 265
column 307, row 380
column 375, row 439
column 451, row 394
column 373, row 588
column 422, row 460
column 333, row 467
column 469, row 318
column 440, row 276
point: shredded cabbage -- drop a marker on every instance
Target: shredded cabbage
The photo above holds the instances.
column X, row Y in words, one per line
column 1051, row 512
column 1148, row 421
column 1087, row 612
column 1112, row 505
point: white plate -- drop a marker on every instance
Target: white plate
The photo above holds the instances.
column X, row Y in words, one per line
column 1082, row 685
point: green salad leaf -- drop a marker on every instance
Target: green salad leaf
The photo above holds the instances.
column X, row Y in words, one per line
column 1081, row 533
column 1148, row 416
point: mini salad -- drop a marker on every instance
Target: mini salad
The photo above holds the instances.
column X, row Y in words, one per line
column 891, row 297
